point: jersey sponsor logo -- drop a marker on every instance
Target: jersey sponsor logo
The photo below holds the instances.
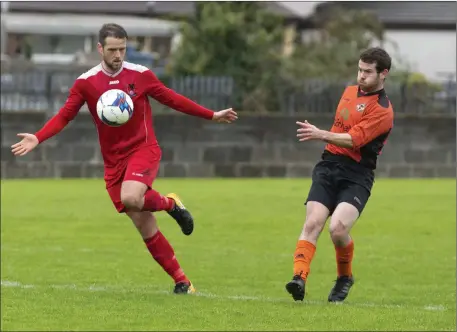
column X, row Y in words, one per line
column 339, row 121
column 344, row 113
column 113, row 82
column 340, row 124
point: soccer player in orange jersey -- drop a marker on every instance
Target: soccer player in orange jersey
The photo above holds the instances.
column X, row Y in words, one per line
column 342, row 180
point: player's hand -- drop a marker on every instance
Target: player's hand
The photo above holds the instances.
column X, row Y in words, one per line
column 307, row 131
column 226, row 116
column 27, row 144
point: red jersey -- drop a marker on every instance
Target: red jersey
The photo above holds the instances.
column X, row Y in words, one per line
column 139, row 82
column 368, row 118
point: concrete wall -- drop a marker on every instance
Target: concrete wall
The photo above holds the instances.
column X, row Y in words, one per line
column 255, row 146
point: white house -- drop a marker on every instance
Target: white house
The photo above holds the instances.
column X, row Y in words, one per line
column 423, row 34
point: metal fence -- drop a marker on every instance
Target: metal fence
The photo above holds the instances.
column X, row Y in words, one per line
column 46, row 90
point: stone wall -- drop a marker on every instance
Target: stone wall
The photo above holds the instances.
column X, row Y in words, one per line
column 255, row 146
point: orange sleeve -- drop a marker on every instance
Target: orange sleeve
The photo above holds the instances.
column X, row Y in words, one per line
column 375, row 122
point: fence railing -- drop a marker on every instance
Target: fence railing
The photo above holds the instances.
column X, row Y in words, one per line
column 46, row 90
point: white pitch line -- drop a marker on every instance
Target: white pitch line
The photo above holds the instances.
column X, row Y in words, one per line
column 147, row 289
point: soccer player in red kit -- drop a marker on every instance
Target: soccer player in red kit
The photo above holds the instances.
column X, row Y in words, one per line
column 343, row 179
column 131, row 153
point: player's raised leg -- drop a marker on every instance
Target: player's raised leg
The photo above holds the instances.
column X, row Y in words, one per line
column 142, row 168
column 181, row 214
column 136, row 196
column 316, row 216
column 342, row 220
column 161, row 250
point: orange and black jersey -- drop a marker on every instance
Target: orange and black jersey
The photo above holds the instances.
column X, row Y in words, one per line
column 368, row 118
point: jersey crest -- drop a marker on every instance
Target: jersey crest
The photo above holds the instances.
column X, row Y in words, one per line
column 131, row 90
column 360, row 107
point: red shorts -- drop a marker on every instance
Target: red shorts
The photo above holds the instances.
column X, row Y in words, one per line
column 142, row 166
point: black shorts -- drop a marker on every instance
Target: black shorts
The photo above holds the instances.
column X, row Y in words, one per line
column 334, row 182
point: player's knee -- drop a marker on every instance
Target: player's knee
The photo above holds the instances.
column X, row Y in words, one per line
column 338, row 229
column 313, row 226
column 131, row 201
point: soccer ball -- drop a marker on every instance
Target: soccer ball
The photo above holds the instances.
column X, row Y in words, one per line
column 114, row 107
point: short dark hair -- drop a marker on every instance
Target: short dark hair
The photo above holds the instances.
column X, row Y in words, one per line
column 111, row 30
column 379, row 56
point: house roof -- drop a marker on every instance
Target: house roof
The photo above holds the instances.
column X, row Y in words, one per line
column 188, row 8
column 389, row 12
column 70, row 24
column 93, row 7
column 303, row 9
column 185, row 8
column 403, row 12
column 181, row 8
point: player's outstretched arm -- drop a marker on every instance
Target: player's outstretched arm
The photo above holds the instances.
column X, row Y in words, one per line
column 27, row 144
column 67, row 113
column 226, row 116
column 307, row 132
column 157, row 90
column 375, row 122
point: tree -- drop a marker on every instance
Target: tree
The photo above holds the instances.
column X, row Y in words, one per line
column 341, row 36
column 237, row 39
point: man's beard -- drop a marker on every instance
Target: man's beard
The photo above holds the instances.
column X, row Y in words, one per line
column 372, row 87
column 113, row 65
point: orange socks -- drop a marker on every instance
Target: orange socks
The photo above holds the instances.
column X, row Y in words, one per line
column 303, row 256
column 344, row 259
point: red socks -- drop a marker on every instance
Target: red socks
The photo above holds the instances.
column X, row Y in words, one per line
column 163, row 253
column 153, row 201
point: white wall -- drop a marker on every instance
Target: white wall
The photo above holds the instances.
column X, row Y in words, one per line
column 429, row 52
column 432, row 53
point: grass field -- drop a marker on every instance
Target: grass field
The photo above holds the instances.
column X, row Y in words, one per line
column 70, row 262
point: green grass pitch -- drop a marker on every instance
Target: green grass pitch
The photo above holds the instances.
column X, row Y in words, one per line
column 70, row 262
